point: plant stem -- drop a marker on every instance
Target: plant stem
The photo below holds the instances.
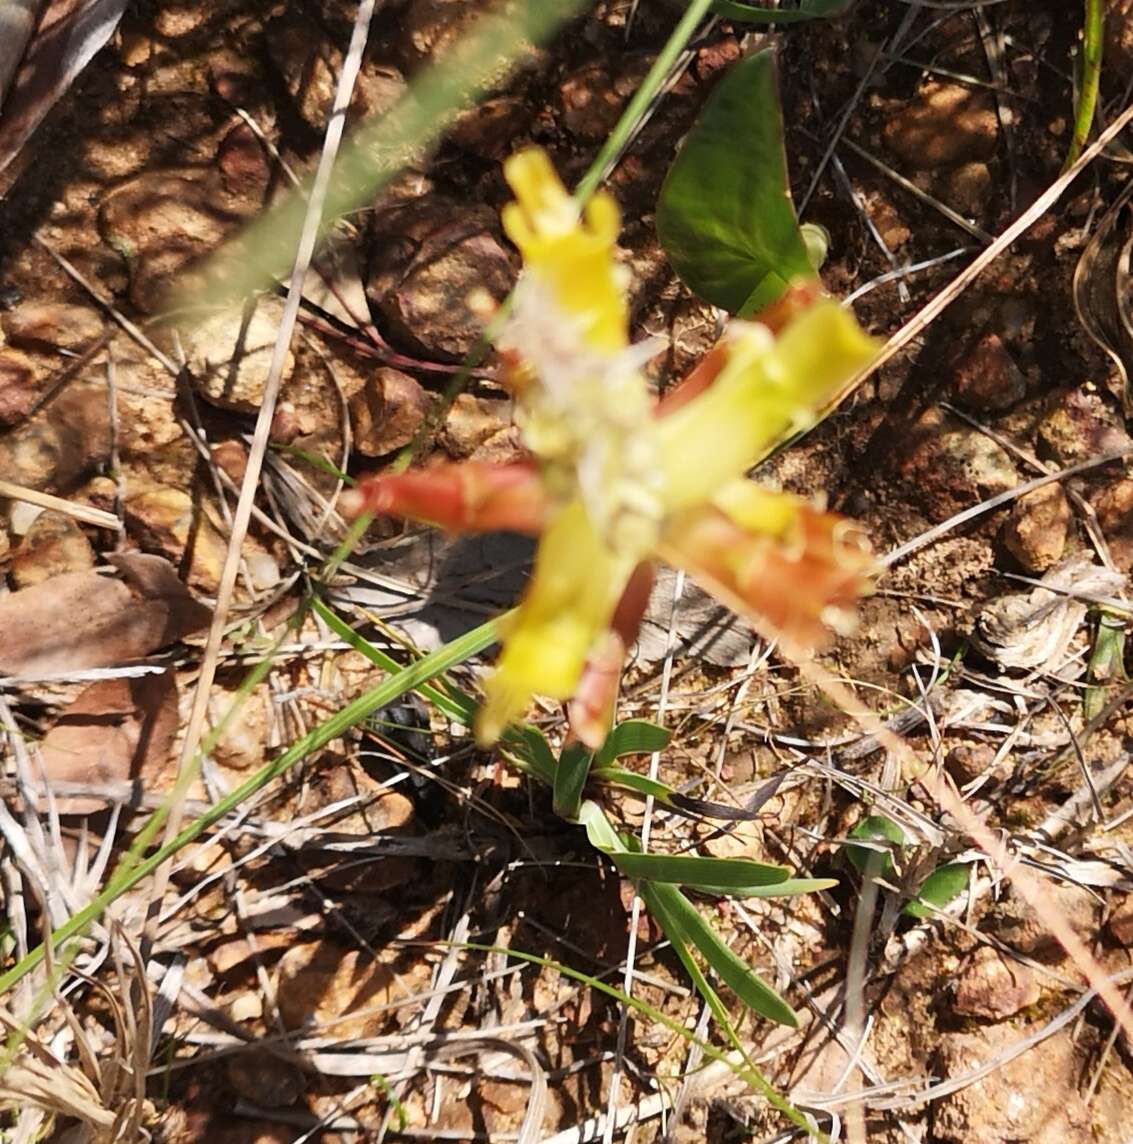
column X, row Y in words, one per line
column 1089, row 79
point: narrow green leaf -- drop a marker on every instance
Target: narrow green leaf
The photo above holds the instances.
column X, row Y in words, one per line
column 529, row 748
column 736, row 974
column 598, row 829
column 673, row 800
column 757, row 14
column 694, row 870
column 570, row 778
column 876, row 860
column 938, row 889
column 633, row 737
column 788, row 888
column 724, row 216
column 631, row 780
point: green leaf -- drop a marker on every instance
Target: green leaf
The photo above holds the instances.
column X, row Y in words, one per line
column 733, row 874
column 633, row 737
column 756, row 14
column 876, row 861
column 685, row 869
column 938, row 889
column 570, row 778
column 724, row 217
column 529, row 747
column 788, row 888
column 747, row 985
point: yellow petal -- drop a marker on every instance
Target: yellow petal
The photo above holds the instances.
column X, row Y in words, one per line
column 768, row 389
column 573, row 592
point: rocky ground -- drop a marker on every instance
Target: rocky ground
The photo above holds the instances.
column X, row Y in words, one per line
column 308, row 936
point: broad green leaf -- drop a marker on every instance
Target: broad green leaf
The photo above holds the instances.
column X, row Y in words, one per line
column 633, row 737
column 938, row 889
column 788, row 888
column 725, row 217
column 876, row 860
column 761, row 14
column 735, row 973
column 570, row 778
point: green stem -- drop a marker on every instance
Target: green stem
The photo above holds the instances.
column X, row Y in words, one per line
column 1089, row 78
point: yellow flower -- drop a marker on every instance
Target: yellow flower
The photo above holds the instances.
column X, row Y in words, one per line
column 618, row 482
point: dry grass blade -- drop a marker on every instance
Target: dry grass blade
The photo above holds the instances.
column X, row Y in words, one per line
column 98, row 517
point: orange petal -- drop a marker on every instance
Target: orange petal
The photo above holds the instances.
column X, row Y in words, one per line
column 799, row 582
column 472, row 496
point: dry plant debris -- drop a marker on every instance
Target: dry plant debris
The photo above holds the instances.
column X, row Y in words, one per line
column 298, row 977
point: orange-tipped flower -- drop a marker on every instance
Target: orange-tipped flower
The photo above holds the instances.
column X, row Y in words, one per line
column 617, row 482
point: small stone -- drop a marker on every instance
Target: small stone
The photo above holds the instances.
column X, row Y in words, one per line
column 264, row 1079
column 993, row 987
column 1032, row 1097
column 172, row 21
column 986, row 376
column 161, row 225
column 61, row 443
column 263, row 570
column 52, row 326
column 943, row 125
column 230, row 355
column 492, row 127
column 1081, row 427
column 949, row 466
column 246, row 1007
column 969, row 761
column 1120, row 924
column 1035, row 532
column 471, row 421
column 387, row 412
column 243, row 163
column 53, row 545
column 21, row 516
column 1016, row 923
column 428, row 258
column 503, row 447
column 245, row 739
column 231, row 457
column 713, row 58
column 166, row 520
column 21, row 385
column 319, row 983
column 969, row 188
column 1114, row 508
column 591, row 99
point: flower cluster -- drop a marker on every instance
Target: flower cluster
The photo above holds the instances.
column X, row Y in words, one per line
column 617, row 481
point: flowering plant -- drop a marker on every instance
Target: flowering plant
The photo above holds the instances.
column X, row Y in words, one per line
column 617, row 480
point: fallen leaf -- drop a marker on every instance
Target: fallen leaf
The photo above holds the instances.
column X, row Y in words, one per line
column 83, row 620
column 116, row 731
column 68, row 35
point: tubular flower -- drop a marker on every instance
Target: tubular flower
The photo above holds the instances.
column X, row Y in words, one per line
column 617, row 481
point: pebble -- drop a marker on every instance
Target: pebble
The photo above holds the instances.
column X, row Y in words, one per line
column 63, row 442
column 969, row 761
column 22, row 383
column 427, row 258
column 1036, row 530
column 53, row 545
column 1114, row 508
column 950, row 466
column 230, row 353
column 969, row 188
column 985, row 376
column 472, row 421
column 247, row 737
column 387, row 412
column 320, row 982
column 994, row 987
column 945, row 124
column 52, row 326
column 1033, row 1097
column 1081, row 427
column 264, row 1079
column 243, row 162
column 1016, row 923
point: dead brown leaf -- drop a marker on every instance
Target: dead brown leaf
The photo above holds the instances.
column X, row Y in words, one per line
column 116, row 731
column 90, row 619
column 68, row 35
